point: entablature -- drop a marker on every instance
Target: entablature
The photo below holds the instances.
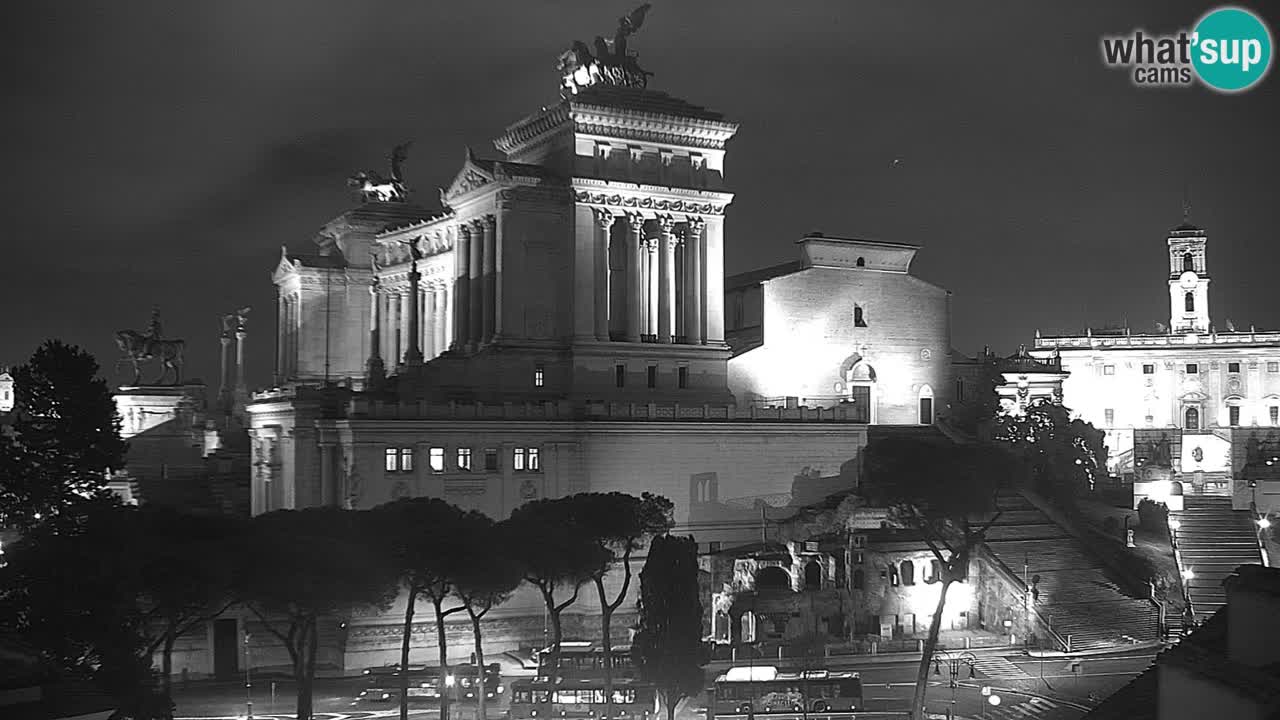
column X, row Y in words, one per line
column 649, row 200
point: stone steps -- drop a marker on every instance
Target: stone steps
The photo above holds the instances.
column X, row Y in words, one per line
column 1213, row 540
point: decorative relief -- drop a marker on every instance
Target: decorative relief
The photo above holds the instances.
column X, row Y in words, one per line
column 1234, row 385
column 528, row 491
column 649, row 203
column 926, row 354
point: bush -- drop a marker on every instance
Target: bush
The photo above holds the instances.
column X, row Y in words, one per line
column 1153, row 516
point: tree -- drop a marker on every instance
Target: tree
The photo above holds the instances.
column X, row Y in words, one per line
column 307, row 565
column 620, row 524
column 668, row 647
column 946, row 492
column 70, row 587
column 1062, row 456
column 424, row 539
column 564, row 557
column 484, row 580
column 66, row 437
column 976, row 414
column 186, row 566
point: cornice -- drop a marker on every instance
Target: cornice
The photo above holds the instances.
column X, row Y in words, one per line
column 605, row 194
column 523, row 132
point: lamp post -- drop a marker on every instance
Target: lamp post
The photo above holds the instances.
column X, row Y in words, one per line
column 1174, row 524
column 954, row 664
column 248, row 681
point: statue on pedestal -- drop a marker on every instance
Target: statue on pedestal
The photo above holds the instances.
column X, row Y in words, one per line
column 373, row 187
column 136, row 348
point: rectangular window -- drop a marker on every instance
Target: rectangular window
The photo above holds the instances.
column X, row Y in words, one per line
column 1273, row 367
column 1111, row 417
column 653, row 376
column 391, row 462
column 437, row 459
column 959, row 390
column 1108, row 369
column 464, row 459
column 682, row 377
column 1148, row 369
column 620, row 375
column 490, row 459
column 926, row 411
column 538, row 376
column 534, row 459
column 1274, row 410
column 517, row 460
column 1193, row 369
column 1233, row 367
column 406, row 459
column 1233, row 412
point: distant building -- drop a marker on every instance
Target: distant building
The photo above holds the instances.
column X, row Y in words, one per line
column 1207, row 389
column 1227, row 668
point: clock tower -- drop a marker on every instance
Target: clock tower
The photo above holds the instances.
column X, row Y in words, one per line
column 1188, row 280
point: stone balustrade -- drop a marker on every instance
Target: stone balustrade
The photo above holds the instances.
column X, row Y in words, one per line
column 1137, row 341
column 365, row 408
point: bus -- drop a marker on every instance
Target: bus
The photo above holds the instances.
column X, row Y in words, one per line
column 540, row 699
column 766, row 690
column 382, row 684
column 579, row 658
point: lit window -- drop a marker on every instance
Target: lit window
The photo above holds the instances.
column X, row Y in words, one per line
column 1273, row 367
column 390, row 464
column 1108, row 369
column 490, row 459
column 1148, row 369
column 517, row 460
column 535, row 461
column 1111, row 417
column 1275, row 414
column 653, row 376
column 893, row 576
column 682, row 377
column 464, row 458
column 620, row 375
column 1192, row 368
column 437, row 459
column 538, row 376
column 1233, row 367
column 406, row 459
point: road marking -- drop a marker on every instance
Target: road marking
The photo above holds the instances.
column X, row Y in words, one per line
column 1000, row 668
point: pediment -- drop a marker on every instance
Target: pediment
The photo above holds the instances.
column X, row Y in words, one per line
column 285, row 267
column 472, row 175
column 1193, row 396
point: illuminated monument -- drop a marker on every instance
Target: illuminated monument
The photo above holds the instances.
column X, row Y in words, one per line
column 1186, row 402
column 557, row 325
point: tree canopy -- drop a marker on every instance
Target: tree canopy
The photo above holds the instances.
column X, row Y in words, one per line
column 1062, row 456
column 667, row 648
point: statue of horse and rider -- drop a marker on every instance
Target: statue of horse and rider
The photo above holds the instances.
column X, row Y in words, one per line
column 137, row 348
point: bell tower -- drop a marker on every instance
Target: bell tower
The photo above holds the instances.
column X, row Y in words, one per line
column 1188, row 279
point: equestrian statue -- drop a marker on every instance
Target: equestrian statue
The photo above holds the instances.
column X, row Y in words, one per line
column 373, row 187
column 137, row 348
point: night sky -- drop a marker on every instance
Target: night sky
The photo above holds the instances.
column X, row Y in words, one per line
column 161, row 152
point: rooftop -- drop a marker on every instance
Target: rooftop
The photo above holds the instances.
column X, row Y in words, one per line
column 642, row 100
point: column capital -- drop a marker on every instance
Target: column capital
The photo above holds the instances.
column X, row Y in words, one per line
column 489, row 221
column 666, row 224
column 605, row 218
column 636, row 221
column 694, row 225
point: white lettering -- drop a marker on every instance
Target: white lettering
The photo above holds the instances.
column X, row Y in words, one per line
column 1252, row 54
column 1209, row 51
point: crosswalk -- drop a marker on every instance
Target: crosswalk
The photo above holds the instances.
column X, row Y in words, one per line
column 999, row 668
column 1031, row 708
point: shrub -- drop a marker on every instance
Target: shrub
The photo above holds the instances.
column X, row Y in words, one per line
column 1153, row 515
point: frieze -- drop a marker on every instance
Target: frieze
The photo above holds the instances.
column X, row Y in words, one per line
column 648, row 203
column 714, row 141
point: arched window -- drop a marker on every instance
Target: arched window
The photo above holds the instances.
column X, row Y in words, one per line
column 893, row 575
column 859, row 579
column 772, row 578
column 1193, row 419
column 1190, row 301
column 908, row 573
column 813, row 576
column 935, row 572
column 926, row 405
column 862, row 262
column 859, row 320
column 1188, row 262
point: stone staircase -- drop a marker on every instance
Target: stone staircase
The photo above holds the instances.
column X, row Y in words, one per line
column 1213, row 540
column 1077, row 596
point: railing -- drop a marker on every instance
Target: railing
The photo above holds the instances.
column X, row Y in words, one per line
column 1182, row 338
column 1012, row 578
column 365, row 408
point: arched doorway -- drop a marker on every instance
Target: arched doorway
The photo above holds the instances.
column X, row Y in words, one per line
column 772, row 578
column 813, row 576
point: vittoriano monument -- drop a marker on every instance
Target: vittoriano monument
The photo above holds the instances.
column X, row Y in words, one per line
column 137, row 348
column 610, row 64
column 375, row 188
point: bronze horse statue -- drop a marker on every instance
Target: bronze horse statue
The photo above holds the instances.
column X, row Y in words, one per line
column 138, row 348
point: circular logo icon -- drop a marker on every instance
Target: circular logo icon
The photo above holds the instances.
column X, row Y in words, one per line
column 1231, row 49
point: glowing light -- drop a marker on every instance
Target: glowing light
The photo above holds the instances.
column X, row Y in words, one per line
column 994, row 700
column 1188, row 574
column 1264, row 523
column 449, row 680
column 1175, row 524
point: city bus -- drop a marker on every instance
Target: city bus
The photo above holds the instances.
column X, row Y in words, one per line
column 766, row 690
column 540, row 699
column 580, row 658
column 382, row 684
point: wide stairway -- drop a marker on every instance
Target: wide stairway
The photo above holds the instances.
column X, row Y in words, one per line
column 1077, row 596
column 1213, row 540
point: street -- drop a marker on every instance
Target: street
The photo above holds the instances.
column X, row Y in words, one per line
column 1027, row 688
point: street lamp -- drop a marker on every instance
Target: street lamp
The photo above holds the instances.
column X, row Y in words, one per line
column 1188, row 574
column 248, row 681
column 1174, row 525
column 954, row 664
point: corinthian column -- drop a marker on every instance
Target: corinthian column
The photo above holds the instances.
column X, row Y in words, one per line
column 693, row 271
column 462, row 288
column 475, row 274
column 377, row 373
column 604, row 219
column 489, row 285
column 635, row 292
column 651, row 285
column 666, row 279
column 413, row 353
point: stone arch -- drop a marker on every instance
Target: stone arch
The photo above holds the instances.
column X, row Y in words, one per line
column 1188, row 262
column 1175, row 488
column 862, row 262
column 772, row 578
column 925, row 403
column 813, row 575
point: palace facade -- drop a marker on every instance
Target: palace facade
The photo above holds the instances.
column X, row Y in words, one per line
column 1187, row 407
